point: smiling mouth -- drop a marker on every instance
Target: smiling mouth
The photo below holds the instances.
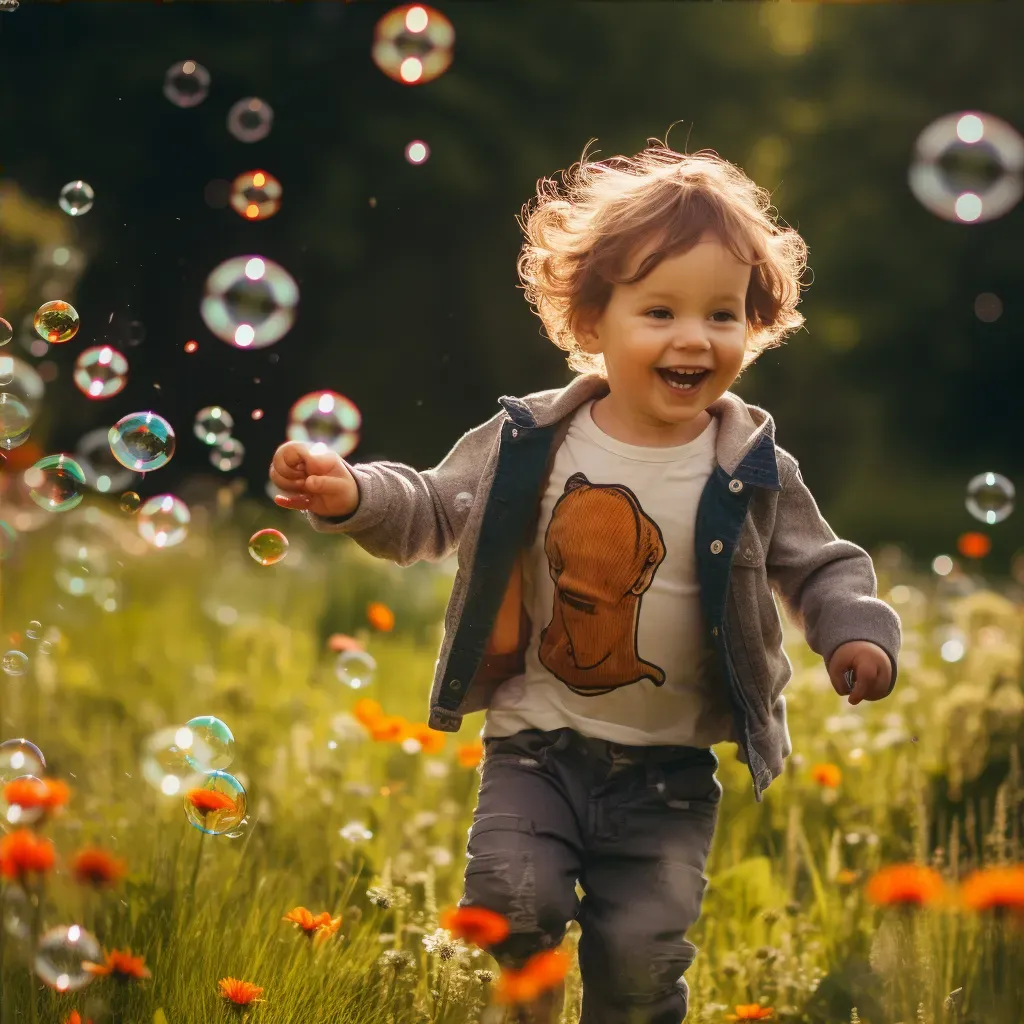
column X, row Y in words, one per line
column 682, row 381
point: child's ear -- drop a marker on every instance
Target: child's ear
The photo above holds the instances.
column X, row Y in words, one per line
column 585, row 331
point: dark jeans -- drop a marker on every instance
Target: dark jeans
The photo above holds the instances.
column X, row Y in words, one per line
column 633, row 825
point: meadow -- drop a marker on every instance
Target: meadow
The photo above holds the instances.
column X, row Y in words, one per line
column 880, row 880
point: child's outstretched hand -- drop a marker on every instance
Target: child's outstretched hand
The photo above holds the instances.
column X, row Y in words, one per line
column 871, row 670
column 313, row 481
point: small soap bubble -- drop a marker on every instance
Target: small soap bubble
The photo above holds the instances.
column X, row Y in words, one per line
column 164, row 760
column 250, row 119
column 15, row 663
column 20, row 757
column 355, row 832
column 34, row 630
column 76, row 198
column 216, row 806
column 990, row 497
column 163, row 521
column 249, row 302
column 56, row 483
column 103, row 472
column 100, row 372
column 325, row 417
column 268, row 547
column 213, row 424
column 187, row 83
column 228, row 455
column 355, row 669
column 61, row 954
column 142, row 441
column 988, row 308
column 413, row 44
column 256, row 195
column 130, row 502
column 56, row 321
column 417, row 152
column 6, row 332
column 213, row 745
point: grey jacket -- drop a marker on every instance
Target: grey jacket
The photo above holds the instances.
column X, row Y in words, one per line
column 758, row 529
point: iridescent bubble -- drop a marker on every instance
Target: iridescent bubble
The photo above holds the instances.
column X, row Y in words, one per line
column 256, row 195
column 355, row 669
column 163, row 520
column 103, row 472
column 213, row 746
column 130, row 502
column 15, row 419
column 165, row 760
column 20, row 757
column 56, row 483
column 325, row 417
column 186, row 83
column 268, row 547
column 18, row 815
column 217, row 806
column 990, row 497
column 968, row 167
column 250, row 302
column 250, row 119
column 60, row 956
column 100, row 372
column 413, row 44
column 34, row 630
column 417, row 152
column 142, row 441
column 6, row 332
column 228, row 455
column 56, row 321
column 213, row 425
column 15, row 663
column 76, row 198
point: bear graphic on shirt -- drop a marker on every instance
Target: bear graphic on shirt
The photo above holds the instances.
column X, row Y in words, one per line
column 603, row 551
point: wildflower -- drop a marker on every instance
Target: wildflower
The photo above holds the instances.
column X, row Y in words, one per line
column 827, row 775
column 387, row 728
column 430, row 740
column 206, row 801
column 339, row 642
column 379, row 896
column 905, row 883
column 119, row 964
column 316, row 926
column 995, row 888
column 542, row 971
column 367, row 711
column 241, row 993
column 478, row 925
column 93, row 866
column 470, row 754
column 397, row 960
column 22, row 851
column 76, row 1018
column 750, row 1011
column 32, row 794
column 443, row 945
column 380, row 616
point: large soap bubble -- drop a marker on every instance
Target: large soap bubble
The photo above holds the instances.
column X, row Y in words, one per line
column 413, row 44
column 21, row 392
column 325, row 417
column 142, row 441
column 250, row 302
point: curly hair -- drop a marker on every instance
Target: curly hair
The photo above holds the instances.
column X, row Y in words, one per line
column 577, row 240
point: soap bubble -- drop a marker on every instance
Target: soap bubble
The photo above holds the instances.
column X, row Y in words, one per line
column 16, row 912
column 213, row 745
column 417, row 152
column 19, row 815
column 34, row 630
column 213, row 424
column 20, row 757
column 413, row 44
column 56, row 321
column 186, row 84
column 968, row 167
column 217, row 806
column 15, row 420
column 60, row 955
column 142, row 441
column 268, row 547
column 130, row 502
column 250, row 302
column 990, row 497
column 56, row 483
column 228, row 455
column 355, row 669
column 6, row 332
column 325, row 417
column 76, row 198
column 250, row 119
column 100, row 372
column 163, row 521
column 14, row 663
column 165, row 760
column 256, row 195
column 988, row 307
column 355, row 832
column 103, row 472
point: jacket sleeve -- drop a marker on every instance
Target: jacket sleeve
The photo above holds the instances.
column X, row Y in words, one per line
column 827, row 585
column 408, row 516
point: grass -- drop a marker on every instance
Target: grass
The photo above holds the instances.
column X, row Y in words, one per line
column 930, row 775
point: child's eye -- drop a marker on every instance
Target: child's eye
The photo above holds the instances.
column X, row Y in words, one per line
column 652, row 312
column 726, row 312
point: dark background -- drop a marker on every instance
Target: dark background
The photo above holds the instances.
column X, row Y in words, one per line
column 893, row 396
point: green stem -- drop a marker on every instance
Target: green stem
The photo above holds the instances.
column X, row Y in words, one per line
column 36, row 899
column 3, row 932
column 195, row 870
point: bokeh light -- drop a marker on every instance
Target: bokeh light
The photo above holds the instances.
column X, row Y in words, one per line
column 213, row 424
column 256, row 195
column 187, row 83
column 163, row 520
column 76, row 198
column 990, row 497
column 250, row 302
column 325, row 417
column 413, row 44
column 100, row 372
column 417, row 152
column 250, row 119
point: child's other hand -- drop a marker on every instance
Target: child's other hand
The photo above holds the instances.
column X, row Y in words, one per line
column 871, row 668
column 313, row 480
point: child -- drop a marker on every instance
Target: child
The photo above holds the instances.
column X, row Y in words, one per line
column 619, row 541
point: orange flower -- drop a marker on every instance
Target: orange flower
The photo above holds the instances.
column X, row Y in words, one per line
column 541, row 972
column 367, row 711
column 339, row 642
column 119, row 964
column 206, row 801
column 750, row 1011
column 430, row 741
column 996, row 888
column 973, row 545
column 48, row 794
column 75, row 1018
column 470, row 754
column 478, row 925
column 827, row 775
column 905, row 883
column 22, row 852
column 316, row 926
column 241, row 993
column 380, row 616
column 388, row 728
column 93, row 866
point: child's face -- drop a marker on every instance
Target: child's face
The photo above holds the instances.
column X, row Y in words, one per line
column 687, row 312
